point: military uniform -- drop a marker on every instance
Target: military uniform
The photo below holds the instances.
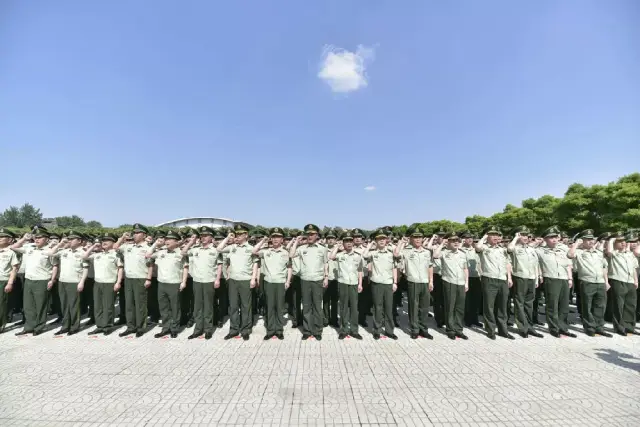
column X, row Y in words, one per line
column 9, row 264
column 295, row 295
column 331, row 294
column 73, row 271
column 473, row 297
column 454, row 285
column 623, row 277
column 364, row 297
column 383, row 281
column 349, row 266
column 220, row 296
column 107, row 267
column 437, row 295
column 153, row 309
column 525, row 272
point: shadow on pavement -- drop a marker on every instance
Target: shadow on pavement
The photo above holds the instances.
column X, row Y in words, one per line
column 620, row 359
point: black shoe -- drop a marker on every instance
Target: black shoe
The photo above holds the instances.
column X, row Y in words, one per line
column 194, row 335
column 396, row 323
column 536, row 334
column 477, row 324
column 632, row 332
column 72, row 333
column 356, row 336
column 58, row 320
column 590, row 334
column 294, row 325
column 121, row 321
column 425, row 334
column 268, row 337
column 451, row 336
column 60, row 332
column 208, row 335
column 364, row 324
column 604, row 334
column 492, row 336
column 462, row 336
column 392, row 336
column 555, row 334
column 325, row 324
column 376, row 336
column 413, row 336
column 127, row 332
column 107, row 331
column 318, row 337
column 219, row 324
column 538, row 323
column 96, row 331
column 230, row 335
column 280, row 336
column 174, row 335
column 306, row 337
column 91, row 321
column 509, row 323
column 139, row 334
column 342, row 336
column 36, row 333
column 161, row 334
column 189, row 323
column 568, row 334
column 507, row 336
column 524, row 334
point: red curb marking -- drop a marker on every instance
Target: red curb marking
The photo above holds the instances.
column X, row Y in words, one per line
column 200, row 338
column 129, row 338
column 93, row 337
column 165, row 338
column 383, row 337
column 59, row 336
column 348, row 337
column 238, row 337
column 274, row 337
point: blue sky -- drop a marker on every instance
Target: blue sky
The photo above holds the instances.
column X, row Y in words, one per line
column 153, row 110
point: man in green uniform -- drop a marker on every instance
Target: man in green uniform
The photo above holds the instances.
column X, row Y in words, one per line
column 593, row 281
column 455, row 283
column 623, row 277
column 364, row 297
column 40, row 273
column 205, row 266
column 473, row 297
column 241, row 281
column 349, row 265
column 295, row 292
column 314, row 277
column 525, row 271
column 109, row 274
column 330, row 296
column 556, row 274
column 9, row 264
column 418, row 268
column 220, row 296
column 384, row 282
column 152, row 292
column 496, row 281
column 73, row 274
column 54, row 306
column 277, row 279
column 437, row 295
column 138, row 272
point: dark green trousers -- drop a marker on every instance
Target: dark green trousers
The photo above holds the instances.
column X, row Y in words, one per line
column 153, row 309
column 274, row 298
column 593, row 298
column 70, row 302
column 365, row 300
column 473, row 301
column 36, row 298
column 4, row 305
column 525, row 293
column 438, row 300
column 312, row 314
column 103, row 304
column 136, row 304
column 240, row 307
column 382, row 307
column 203, row 312
column 169, row 303
column 419, row 299
column 348, row 308
column 495, row 293
column 556, row 295
column 295, row 301
column 454, row 303
column 624, row 305
column 330, row 303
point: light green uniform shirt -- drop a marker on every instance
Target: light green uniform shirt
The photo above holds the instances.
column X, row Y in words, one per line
column 473, row 261
column 493, row 261
column 622, row 266
column 203, row 263
column 416, row 263
column 333, row 266
column 71, row 265
column 553, row 262
column 365, row 263
column 312, row 261
column 590, row 265
column 382, row 264
column 225, row 265
column 135, row 263
column 295, row 266
column 524, row 261
column 349, row 265
column 437, row 266
column 8, row 260
column 241, row 260
column 170, row 265
column 38, row 264
column 453, row 264
column 275, row 263
column 106, row 265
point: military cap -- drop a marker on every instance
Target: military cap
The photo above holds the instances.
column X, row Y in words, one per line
column 139, row 228
column 219, row 234
column 451, row 236
column 276, row 231
column 7, row 233
column 173, row 235
column 552, row 231
column 240, row 229
column 348, row 235
column 258, row 233
column 188, row 231
column 357, row 232
column 40, row 231
column 108, row 236
column 619, row 235
column 493, row 230
column 466, row 234
column 587, row 234
column 441, row 232
column 331, row 233
column 604, row 236
column 311, row 228
column 564, row 235
column 205, row 230
column 379, row 233
column 160, row 234
column 72, row 234
column 631, row 237
column 523, row 229
column 414, row 232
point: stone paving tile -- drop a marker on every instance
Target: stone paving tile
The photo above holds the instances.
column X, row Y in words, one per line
column 111, row 381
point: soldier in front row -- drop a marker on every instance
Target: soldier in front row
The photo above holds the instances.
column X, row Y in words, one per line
column 9, row 264
column 623, row 276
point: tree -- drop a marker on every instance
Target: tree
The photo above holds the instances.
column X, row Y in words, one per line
column 93, row 224
column 24, row 217
column 73, row 221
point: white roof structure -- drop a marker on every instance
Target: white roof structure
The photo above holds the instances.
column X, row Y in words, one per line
column 198, row 221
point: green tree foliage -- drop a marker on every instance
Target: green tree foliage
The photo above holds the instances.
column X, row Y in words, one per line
column 25, row 216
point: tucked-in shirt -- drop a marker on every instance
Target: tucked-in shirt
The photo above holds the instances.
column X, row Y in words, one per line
column 170, row 265
column 295, row 266
column 349, row 264
column 38, row 265
column 493, row 261
column 416, row 263
column 622, row 266
column 203, row 263
column 275, row 263
column 333, row 266
column 241, row 260
column 453, row 264
column 225, row 265
column 590, row 265
column 382, row 264
column 365, row 263
column 106, row 266
column 524, row 262
column 312, row 260
column 8, row 260
column 553, row 262
column 71, row 265
column 135, row 263
column 437, row 266
column 473, row 261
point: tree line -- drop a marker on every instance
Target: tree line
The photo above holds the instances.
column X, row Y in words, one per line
column 611, row 207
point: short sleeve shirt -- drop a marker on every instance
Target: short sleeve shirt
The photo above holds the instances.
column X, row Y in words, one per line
column 333, row 267
column 553, row 262
column 241, row 260
column 203, row 263
column 590, row 265
column 170, row 265
column 135, row 262
column 416, row 264
column 349, row 265
column 71, row 265
column 524, row 261
column 312, row 260
column 382, row 264
column 275, row 263
column 8, row 260
column 622, row 266
column 473, row 261
column 365, row 263
column 493, row 261
column 453, row 264
column 38, row 264
column 106, row 266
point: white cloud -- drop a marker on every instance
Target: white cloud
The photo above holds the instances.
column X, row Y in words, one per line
column 369, row 188
column 345, row 71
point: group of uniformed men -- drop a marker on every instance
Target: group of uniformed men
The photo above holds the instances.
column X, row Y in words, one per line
column 321, row 280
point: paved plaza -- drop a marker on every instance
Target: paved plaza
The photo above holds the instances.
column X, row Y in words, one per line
column 88, row 381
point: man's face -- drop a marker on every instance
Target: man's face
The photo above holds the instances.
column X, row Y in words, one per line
column 381, row 242
column 312, row 238
column 453, row 244
column 620, row 245
column 107, row 245
column 40, row 241
column 551, row 241
column 588, row 243
column 241, row 238
column 565, row 240
column 494, row 239
column 348, row 244
column 75, row 243
column 357, row 241
column 5, row 241
column 633, row 245
column 331, row 241
column 171, row 243
column 160, row 241
column 205, row 239
column 468, row 241
column 416, row 242
column 138, row 237
column 524, row 240
column 276, row 241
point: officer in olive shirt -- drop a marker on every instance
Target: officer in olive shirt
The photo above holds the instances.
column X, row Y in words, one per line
column 277, row 279
column 473, row 298
column 364, row 297
column 9, row 264
column 220, row 298
column 418, row 268
column 314, row 278
column 138, row 272
column 455, row 283
column 73, row 274
column 40, row 273
column 241, row 281
column 349, row 266
column 330, row 297
column 592, row 272
column 384, row 282
column 556, row 274
column 437, row 295
column 525, row 271
column 295, row 293
column 623, row 277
